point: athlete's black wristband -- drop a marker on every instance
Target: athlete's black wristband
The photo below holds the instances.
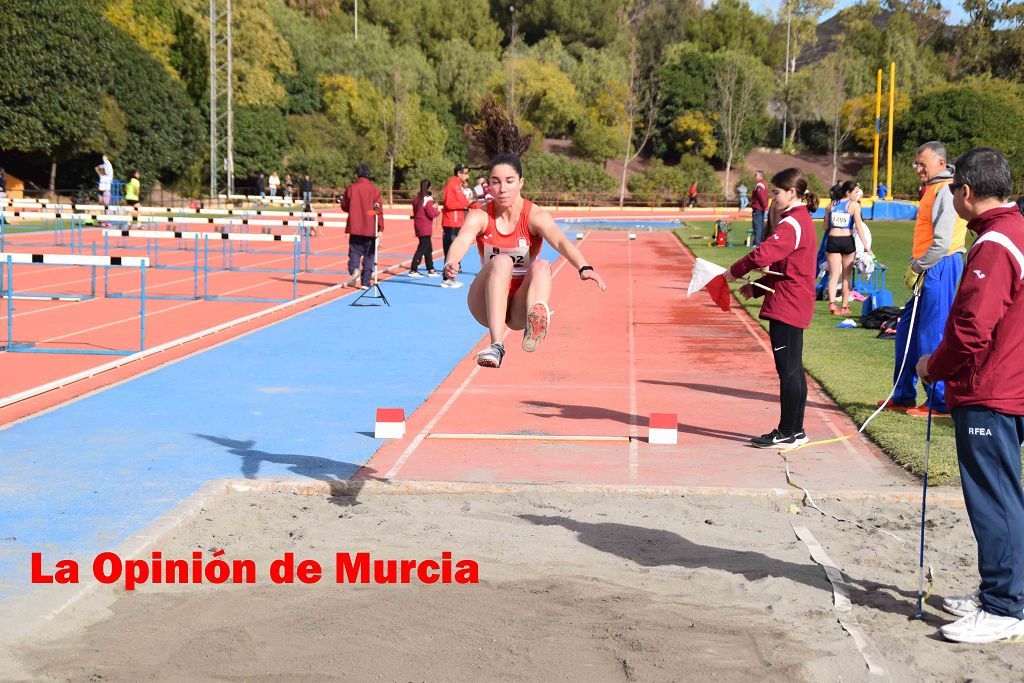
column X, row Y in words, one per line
column 585, row 268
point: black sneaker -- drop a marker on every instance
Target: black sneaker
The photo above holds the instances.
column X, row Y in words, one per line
column 776, row 439
column 491, row 356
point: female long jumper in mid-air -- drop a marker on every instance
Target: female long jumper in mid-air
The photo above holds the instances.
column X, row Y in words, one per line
column 514, row 286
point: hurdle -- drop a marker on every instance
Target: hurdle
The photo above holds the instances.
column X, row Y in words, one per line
column 225, row 238
column 51, row 296
column 8, row 259
column 70, row 224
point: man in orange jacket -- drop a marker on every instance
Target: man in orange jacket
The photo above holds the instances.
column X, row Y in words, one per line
column 453, row 213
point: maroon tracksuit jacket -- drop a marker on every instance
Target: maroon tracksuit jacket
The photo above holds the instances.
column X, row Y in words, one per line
column 792, row 249
column 981, row 355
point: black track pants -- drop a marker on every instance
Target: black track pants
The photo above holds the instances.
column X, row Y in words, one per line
column 788, row 349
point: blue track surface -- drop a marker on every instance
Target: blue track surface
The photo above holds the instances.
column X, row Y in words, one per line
column 295, row 399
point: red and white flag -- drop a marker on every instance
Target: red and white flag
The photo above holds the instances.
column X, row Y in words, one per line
column 711, row 278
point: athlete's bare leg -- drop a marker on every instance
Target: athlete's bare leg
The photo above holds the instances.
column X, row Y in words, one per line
column 488, row 295
column 536, row 287
column 847, row 276
column 835, row 273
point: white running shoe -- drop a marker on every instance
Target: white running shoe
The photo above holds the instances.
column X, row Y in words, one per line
column 452, row 284
column 413, row 273
column 962, row 605
column 491, row 356
column 433, row 273
column 983, row 627
column 351, row 282
column 537, row 322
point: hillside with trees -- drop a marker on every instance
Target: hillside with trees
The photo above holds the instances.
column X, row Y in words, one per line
column 689, row 88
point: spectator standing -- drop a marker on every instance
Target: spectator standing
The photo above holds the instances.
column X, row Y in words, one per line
column 273, row 182
column 3, row 183
column 261, row 185
column 453, row 212
column 481, row 193
column 423, row 214
column 306, row 187
column 883, row 191
column 979, row 359
column 105, row 171
column 693, row 195
column 741, row 189
column 363, row 203
column 289, row 187
column 132, row 190
column 758, row 206
column 937, row 262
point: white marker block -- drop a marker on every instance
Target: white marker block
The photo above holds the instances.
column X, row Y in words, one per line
column 390, row 423
column 663, row 429
column 579, row 235
column 632, row 235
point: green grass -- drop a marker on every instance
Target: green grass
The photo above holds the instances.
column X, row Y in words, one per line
column 851, row 365
column 34, row 226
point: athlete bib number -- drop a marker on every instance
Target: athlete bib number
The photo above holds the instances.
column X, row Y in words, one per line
column 841, row 219
column 519, row 254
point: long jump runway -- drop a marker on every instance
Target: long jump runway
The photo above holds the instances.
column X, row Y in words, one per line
column 296, row 401
column 576, row 411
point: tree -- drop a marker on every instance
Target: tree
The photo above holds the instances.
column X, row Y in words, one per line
column 58, row 100
column 685, row 79
column 733, row 25
column 642, row 97
column 462, row 75
column 696, row 133
column 966, row 116
column 740, row 99
column 591, row 23
column 843, row 73
column 798, row 24
column 260, row 140
column 544, row 96
column 670, row 184
column 423, row 24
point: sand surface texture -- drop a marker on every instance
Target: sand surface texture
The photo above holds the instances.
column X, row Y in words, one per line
column 572, row 587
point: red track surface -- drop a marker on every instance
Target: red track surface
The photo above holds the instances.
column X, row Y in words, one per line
column 610, row 361
column 114, row 323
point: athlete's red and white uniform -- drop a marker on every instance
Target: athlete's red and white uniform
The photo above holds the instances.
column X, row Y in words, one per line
column 520, row 245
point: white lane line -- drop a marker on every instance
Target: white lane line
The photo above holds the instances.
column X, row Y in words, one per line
column 634, row 454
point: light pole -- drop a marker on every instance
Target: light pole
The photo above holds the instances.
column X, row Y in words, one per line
column 512, row 67
column 785, row 89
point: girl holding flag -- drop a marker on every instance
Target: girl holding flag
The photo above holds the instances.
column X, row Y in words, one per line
column 789, row 252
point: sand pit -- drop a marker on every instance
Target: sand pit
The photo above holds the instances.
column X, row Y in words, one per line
column 572, row 587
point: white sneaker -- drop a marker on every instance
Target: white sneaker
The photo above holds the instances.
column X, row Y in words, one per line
column 962, row 605
column 537, row 323
column 351, row 282
column 433, row 273
column 491, row 356
column 983, row 627
column 454, row 284
column 413, row 273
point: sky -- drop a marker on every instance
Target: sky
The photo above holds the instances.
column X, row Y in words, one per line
column 956, row 12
